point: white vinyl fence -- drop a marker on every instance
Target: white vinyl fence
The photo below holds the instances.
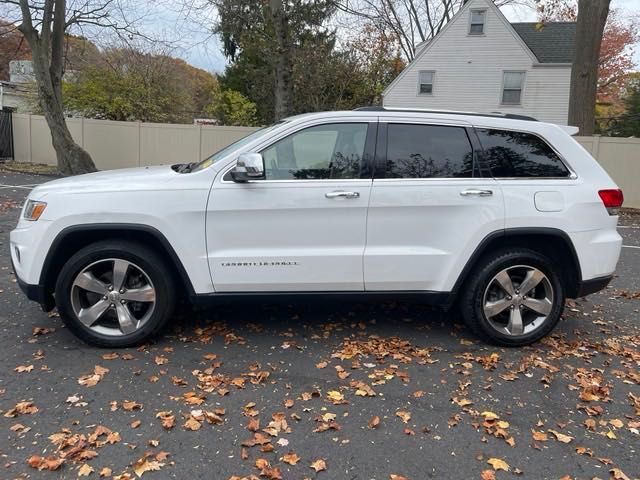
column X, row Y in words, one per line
column 128, row 144
column 620, row 157
column 123, row 144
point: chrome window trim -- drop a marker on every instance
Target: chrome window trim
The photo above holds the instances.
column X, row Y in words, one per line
column 438, row 179
column 316, row 180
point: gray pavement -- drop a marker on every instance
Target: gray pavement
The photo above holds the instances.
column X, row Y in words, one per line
column 315, row 374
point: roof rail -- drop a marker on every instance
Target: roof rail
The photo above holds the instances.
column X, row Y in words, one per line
column 511, row 116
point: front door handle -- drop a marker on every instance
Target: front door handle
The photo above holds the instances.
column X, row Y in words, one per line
column 476, row 192
column 340, row 194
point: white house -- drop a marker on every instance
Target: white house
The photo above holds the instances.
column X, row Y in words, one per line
column 480, row 62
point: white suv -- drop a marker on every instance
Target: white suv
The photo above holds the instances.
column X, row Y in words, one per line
column 498, row 215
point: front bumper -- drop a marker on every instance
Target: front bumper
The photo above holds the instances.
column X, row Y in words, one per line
column 36, row 293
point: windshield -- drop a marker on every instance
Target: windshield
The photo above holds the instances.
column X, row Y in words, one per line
column 207, row 162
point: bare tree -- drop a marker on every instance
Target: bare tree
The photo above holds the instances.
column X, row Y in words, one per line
column 592, row 17
column 45, row 25
column 412, row 22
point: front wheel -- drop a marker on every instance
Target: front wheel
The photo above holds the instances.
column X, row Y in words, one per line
column 513, row 298
column 115, row 293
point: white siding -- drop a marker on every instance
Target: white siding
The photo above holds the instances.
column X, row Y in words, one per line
column 469, row 70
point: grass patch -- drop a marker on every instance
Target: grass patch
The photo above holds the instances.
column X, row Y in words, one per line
column 31, row 168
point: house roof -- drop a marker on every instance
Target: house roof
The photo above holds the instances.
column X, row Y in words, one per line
column 552, row 42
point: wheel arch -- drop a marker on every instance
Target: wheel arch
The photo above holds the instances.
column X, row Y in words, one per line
column 551, row 242
column 73, row 238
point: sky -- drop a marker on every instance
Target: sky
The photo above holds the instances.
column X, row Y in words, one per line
column 195, row 43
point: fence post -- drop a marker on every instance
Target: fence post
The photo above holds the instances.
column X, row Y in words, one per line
column 30, row 147
column 595, row 147
column 199, row 143
column 139, row 144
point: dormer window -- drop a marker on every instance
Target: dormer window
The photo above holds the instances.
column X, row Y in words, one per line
column 476, row 25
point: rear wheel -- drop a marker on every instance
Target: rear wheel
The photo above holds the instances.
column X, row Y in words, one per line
column 513, row 298
column 115, row 293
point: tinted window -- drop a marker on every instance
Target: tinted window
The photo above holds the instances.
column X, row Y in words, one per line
column 325, row 151
column 515, row 154
column 428, row 151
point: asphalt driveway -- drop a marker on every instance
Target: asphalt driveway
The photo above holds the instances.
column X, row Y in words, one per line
column 326, row 390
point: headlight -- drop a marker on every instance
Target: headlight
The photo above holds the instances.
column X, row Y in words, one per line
column 33, row 210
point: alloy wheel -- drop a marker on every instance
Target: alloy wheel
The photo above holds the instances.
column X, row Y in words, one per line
column 113, row 297
column 518, row 300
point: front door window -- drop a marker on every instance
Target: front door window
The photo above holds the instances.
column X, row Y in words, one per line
column 333, row 151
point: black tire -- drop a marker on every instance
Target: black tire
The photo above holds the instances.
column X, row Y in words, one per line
column 145, row 258
column 471, row 300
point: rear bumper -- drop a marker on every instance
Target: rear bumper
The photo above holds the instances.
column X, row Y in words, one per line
column 587, row 287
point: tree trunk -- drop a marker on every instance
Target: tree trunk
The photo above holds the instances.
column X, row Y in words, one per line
column 283, row 66
column 47, row 53
column 72, row 158
column 592, row 16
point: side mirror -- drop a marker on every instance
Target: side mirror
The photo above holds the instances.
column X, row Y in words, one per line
column 249, row 166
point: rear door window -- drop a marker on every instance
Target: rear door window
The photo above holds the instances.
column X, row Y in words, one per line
column 427, row 151
column 519, row 155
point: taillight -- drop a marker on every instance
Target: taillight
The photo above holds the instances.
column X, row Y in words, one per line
column 612, row 199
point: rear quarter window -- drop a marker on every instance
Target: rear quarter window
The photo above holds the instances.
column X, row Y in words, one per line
column 519, row 155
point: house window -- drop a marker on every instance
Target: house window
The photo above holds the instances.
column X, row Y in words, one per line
column 476, row 25
column 425, row 83
column 512, row 85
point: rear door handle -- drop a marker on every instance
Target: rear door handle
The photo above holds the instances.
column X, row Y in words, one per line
column 341, row 194
column 476, row 192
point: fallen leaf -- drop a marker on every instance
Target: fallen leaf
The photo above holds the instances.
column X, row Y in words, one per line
column 374, row 422
column 85, row 470
column 23, row 368
column 192, row 424
column 291, row 458
column 145, row 465
column 404, row 415
column 561, row 437
column 335, row 396
column 617, row 423
column 167, row 419
column 50, row 463
column 539, row 436
column 618, row 474
column 130, row 405
column 488, row 475
column 21, row 408
column 498, row 464
column 319, row 465
column 161, row 360
column 105, row 472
